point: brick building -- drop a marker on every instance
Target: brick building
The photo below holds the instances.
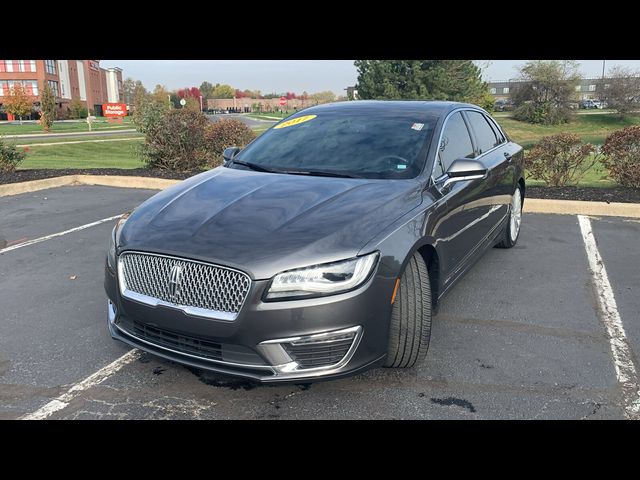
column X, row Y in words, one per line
column 82, row 80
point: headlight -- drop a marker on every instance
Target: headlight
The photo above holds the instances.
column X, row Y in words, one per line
column 113, row 241
column 325, row 279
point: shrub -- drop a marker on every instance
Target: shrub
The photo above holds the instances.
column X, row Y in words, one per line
column 226, row 133
column 149, row 113
column 560, row 160
column 177, row 141
column 621, row 152
column 10, row 157
column 544, row 113
column 77, row 109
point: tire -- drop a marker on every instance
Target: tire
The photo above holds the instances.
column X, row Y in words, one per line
column 508, row 238
column 410, row 328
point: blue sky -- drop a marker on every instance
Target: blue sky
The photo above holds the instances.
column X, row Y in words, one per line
column 292, row 75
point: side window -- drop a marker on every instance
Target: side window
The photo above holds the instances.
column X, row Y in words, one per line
column 492, row 122
column 455, row 142
column 485, row 135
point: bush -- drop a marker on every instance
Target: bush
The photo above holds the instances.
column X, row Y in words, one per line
column 177, row 140
column 560, row 160
column 542, row 113
column 226, row 133
column 148, row 114
column 10, row 157
column 621, row 152
column 77, row 110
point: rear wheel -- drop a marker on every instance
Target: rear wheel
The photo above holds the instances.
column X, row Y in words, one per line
column 512, row 230
column 410, row 328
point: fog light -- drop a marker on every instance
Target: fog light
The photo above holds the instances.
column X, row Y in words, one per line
column 321, row 351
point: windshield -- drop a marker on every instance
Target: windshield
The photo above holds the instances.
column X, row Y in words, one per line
column 367, row 144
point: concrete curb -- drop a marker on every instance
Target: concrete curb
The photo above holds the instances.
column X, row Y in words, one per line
column 531, row 205
column 105, row 180
column 576, row 207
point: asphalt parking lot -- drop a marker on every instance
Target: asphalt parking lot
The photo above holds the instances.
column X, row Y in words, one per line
column 520, row 337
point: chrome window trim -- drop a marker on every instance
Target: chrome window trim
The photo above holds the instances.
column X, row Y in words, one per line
column 444, row 124
column 189, row 310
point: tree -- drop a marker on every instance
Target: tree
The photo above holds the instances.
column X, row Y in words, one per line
column 193, row 92
column 454, row 80
column 149, row 107
column 18, row 102
column 322, row 97
column 77, row 109
column 545, row 90
column 223, row 91
column 623, row 93
column 128, row 90
column 161, row 95
column 206, row 90
column 48, row 107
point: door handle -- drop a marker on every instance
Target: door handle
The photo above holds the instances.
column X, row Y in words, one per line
column 507, row 155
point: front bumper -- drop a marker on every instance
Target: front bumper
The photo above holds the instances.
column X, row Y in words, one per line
column 267, row 332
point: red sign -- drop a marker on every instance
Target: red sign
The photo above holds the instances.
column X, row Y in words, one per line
column 114, row 109
column 283, row 101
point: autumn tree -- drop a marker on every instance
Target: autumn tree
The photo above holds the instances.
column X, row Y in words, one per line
column 18, row 102
column 623, row 93
column 322, row 97
column 48, row 107
column 223, row 91
column 545, row 90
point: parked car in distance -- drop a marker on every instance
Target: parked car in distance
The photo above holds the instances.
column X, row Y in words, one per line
column 321, row 249
column 503, row 105
column 590, row 104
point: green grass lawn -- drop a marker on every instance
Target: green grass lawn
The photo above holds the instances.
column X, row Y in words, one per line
column 592, row 128
column 597, row 176
column 84, row 155
column 62, row 127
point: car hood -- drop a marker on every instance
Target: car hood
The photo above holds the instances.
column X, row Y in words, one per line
column 264, row 223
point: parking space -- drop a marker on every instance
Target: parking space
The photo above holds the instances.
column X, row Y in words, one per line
column 539, row 351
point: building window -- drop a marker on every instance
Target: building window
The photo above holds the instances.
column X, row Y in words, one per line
column 592, row 88
column 54, row 87
column 50, row 66
column 505, row 90
column 3, row 66
column 493, row 91
column 30, row 87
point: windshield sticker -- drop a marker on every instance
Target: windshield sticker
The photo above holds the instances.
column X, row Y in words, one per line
column 417, row 126
column 295, row 121
column 401, row 167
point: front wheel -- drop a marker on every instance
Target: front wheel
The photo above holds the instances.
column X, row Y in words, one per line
column 410, row 328
column 512, row 230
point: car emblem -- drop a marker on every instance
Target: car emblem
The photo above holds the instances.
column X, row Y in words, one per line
column 175, row 277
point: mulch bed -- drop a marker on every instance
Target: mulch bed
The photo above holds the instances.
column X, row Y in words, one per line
column 590, row 194
column 615, row 194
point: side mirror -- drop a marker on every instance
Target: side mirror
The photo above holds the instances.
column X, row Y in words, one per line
column 464, row 169
column 229, row 153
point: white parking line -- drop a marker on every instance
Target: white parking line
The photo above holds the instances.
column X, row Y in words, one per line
column 59, row 234
column 620, row 349
column 100, row 376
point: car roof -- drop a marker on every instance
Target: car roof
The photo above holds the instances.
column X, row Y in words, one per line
column 429, row 107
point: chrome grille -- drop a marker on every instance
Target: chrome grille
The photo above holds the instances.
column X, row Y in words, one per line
column 200, row 286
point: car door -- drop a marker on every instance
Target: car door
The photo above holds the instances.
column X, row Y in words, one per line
column 492, row 151
column 465, row 220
